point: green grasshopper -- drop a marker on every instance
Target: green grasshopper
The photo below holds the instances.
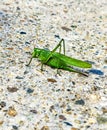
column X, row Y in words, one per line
column 58, row 60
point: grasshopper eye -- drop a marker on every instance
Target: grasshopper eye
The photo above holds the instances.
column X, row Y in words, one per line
column 34, row 55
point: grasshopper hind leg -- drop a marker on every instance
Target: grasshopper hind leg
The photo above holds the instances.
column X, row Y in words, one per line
column 60, row 46
column 70, row 68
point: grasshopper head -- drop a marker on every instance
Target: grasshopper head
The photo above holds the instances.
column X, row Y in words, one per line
column 36, row 53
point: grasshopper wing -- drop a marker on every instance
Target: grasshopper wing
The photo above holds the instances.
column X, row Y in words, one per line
column 72, row 61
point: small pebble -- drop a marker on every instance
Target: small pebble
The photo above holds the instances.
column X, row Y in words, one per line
column 104, row 109
column 57, row 36
column 15, row 127
column 80, row 102
column 26, row 72
column 62, row 117
column 66, row 28
column 67, row 123
column 33, row 111
column 74, row 128
column 45, row 128
column 18, row 77
column 51, row 108
column 22, row 32
column 29, row 90
column 12, row 89
column 51, row 80
column 27, row 43
column 1, row 122
column 12, row 112
column 73, row 26
column 2, row 104
column 10, row 48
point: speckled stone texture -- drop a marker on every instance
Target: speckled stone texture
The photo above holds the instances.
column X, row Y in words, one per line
column 35, row 100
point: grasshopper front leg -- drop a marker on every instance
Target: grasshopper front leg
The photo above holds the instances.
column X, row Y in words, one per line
column 29, row 61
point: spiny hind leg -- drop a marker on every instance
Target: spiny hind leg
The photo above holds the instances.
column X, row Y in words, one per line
column 72, row 69
column 59, row 46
